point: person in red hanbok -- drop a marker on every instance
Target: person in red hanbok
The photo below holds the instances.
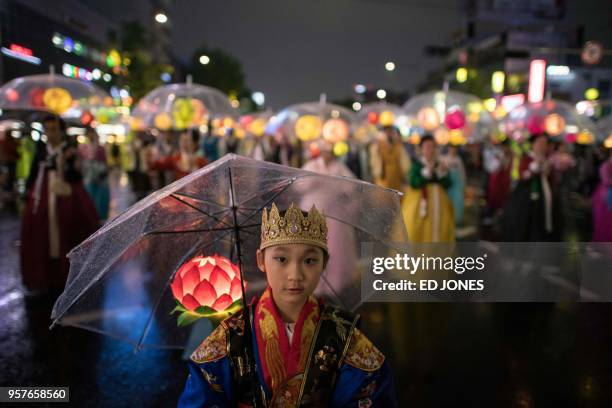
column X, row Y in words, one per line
column 183, row 162
column 59, row 213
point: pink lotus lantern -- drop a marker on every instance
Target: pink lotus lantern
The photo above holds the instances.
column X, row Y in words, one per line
column 206, row 286
column 455, row 119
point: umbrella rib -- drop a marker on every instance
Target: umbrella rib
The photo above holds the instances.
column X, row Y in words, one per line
column 202, row 201
column 202, row 230
column 198, row 209
column 289, row 183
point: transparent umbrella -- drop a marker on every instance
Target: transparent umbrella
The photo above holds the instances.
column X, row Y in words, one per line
column 119, row 281
column 181, row 106
column 67, row 97
column 557, row 118
column 311, row 121
column 451, row 116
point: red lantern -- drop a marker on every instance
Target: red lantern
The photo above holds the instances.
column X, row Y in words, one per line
column 373, row 117
column 211, row 281
column 455, row 119
column 36, row 98
column 12, row 95
column 86, row 118
column 535, row 125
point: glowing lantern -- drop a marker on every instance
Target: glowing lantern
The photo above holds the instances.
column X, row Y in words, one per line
column 474, row 117
column 455, row 119
column 163, row 121
column 335, row 130
column 86, row 118
column 57, row 100
column 137, row 124
column 314, row 150
column 535, row 125
column 341, row 148
column 373, row 118
column 554, row 124
column 36, row 97
column 183, row 113
column 428, row 118
column 386, row 118
column 108, row 101
column 570, row 138
column 257, row 127
column 12, row 95
column 113, row 59
column 608, row 142
column 441, row 136
column 199, row 112
column 206, row 287
column 414, row 139
column 584, row 137
column 308, row 128
column 456, row 137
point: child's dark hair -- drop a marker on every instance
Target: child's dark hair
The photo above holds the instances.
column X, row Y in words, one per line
column 427, row 137
column 56, row 119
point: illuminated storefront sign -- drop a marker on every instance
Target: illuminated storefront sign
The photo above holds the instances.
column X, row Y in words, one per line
column 21, row 53
column 72, row 71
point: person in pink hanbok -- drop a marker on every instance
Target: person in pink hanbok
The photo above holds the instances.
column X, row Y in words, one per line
column 602, row 204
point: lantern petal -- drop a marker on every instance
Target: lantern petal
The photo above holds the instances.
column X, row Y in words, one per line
column 191, row 280
column 205, row 294
column 177, row 287
column 235, row 290
column 205, row 269
column 190, row 302
column 220, row 280
column 222, row 303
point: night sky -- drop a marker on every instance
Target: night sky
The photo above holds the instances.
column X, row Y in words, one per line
column 294, row 50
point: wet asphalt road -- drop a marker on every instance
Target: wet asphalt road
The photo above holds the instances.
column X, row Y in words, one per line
column 442, row 355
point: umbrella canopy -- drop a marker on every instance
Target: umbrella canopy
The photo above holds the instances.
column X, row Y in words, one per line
column 181, row 106
column 451, row 116
column 313, row 120
column 67, row 97
column 557, row 118
column 119, row 281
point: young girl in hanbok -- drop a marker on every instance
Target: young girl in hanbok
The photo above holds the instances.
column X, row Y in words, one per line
column 306, row 353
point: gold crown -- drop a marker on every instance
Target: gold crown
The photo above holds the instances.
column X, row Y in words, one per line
column 293, row 227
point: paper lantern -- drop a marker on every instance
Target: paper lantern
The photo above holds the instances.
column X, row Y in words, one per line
column 585, row 137
column 163, row 121
column 341, row 148
column 199, row 112
column 414, row 139
column 308, row 128
column 428, row 119
column 457, row 137
column 570, row 138
column 57, row 100
column 137, row 124
column 554, row 124
column 206, row 287
column 608, row 142
column 36, row 98
column 535, row 125
column 183, row 113
column 386, row 118
column 335, row 130
column 441, row 135
column 12, row 95
column 372, row 118
column 454, row 119
column 257, row 127
column 87, row 118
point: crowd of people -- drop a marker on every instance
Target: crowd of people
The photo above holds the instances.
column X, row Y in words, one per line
column 526, row 189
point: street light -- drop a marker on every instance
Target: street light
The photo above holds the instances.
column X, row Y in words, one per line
column 381, row 94
column 161, row 18
column 204, row 59
column 389, row 66
column 259, row 98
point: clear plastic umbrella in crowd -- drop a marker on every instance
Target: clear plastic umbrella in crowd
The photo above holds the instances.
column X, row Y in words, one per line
column 181, row 106
column 451, row 116
column 310, row 121
column 178, row 244
column 70, row 98
column 557, row 118
column 372, row 116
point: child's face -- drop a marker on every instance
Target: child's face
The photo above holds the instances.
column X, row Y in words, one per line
column 293, row 271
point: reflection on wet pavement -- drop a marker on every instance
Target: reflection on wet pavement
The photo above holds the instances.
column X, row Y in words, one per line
column 453, row 355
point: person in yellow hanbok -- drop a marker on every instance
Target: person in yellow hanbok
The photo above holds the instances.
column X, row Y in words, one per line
column 426, row 207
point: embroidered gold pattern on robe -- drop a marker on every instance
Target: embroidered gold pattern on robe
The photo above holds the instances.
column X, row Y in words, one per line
column 273, row 357
column 363, row 354
column 308, row 329
column 213, row 348
column 288, row 393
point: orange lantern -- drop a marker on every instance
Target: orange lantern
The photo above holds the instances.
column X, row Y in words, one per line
column 428, row 118
column 308, row 128
column 257, row 127
column 163, row 121
column 441, row 135
column 456, row 137
column 57, row 100
column 554, row 124
column 335, row 130
column 585, row 137
column 386, row 118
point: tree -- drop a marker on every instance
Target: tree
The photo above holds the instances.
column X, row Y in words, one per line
column 223, row 71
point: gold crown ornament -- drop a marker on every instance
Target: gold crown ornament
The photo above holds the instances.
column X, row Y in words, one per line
column 293, row 227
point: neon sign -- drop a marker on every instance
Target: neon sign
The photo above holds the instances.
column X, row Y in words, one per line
column 21, row 53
